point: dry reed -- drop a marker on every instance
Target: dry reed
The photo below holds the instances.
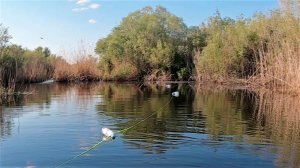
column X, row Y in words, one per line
column 84, row 69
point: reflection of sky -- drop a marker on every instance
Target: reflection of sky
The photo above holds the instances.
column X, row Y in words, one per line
column 46, row 134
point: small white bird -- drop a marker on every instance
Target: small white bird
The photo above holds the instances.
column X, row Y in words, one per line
column 107, row 132
column 175, row 94
column 168, row 86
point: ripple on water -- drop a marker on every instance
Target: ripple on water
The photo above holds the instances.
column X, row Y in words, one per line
column 209, row 128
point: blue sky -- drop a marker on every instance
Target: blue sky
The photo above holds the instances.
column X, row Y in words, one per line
column 65, row 24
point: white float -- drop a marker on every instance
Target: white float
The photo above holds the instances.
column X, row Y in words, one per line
column 107, row 132
column 175, row 94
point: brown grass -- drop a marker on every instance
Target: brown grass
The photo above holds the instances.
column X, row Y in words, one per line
column 84, row 69
column 63, row 71
column 158, row 75
column 35, row 69
column 278, row 51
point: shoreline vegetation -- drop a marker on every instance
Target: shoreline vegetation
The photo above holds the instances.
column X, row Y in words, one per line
column 155, row 45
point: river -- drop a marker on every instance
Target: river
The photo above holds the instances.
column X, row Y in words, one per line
column 203, row 127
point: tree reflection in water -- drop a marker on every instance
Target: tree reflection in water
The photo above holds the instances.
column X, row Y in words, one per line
column 239, row 116
column 268, row 122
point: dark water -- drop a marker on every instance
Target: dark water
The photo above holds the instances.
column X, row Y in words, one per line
column 201, row 128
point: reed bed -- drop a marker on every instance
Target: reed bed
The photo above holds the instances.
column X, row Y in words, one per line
column 84, row 69
column 261, row 51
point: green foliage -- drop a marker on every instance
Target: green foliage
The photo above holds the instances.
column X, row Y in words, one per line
column 158, row 44
column 8, row 71
column 197, row 37
column 265, row 47
column 38, row 52
column 46, row 52
column 183, row 74
column 4, row 38
column 8, row 64
column 228, row 52
column 149, row 39
column 22, row 65
column 224, row 46
column 123, row 72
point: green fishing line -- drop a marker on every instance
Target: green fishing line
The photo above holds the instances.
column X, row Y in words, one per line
column 119, row 132
column 82, row 153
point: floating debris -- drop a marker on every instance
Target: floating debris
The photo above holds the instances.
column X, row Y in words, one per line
column 47, row 81
column 108, row 133
column 175, row 94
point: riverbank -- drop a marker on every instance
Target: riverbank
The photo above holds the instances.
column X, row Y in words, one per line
column 234, row 84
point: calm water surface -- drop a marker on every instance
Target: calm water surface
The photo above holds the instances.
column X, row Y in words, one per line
column 200, row 128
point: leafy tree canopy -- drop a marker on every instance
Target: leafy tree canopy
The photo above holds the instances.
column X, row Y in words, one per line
column 148, row 39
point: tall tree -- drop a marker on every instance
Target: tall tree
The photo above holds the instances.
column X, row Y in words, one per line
column 46, row 52
column 4, row 38
column 149, row 39
column 39, row 50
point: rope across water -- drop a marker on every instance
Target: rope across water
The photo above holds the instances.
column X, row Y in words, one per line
column 118, row 132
